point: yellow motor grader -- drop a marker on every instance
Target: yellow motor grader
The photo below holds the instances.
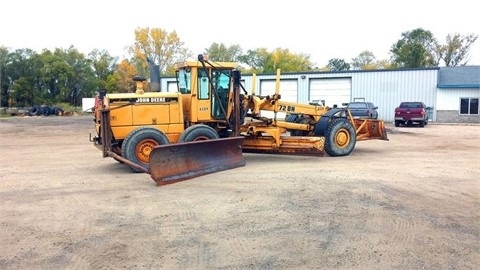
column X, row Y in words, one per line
column 212, row 120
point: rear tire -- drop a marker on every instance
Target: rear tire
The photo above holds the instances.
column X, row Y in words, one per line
column 35, row 111
column 46, row 110
column 340, row 138
column 138, row 145
column 397, row 123
column 292, row 118
column 198, row 132
column 300, row 120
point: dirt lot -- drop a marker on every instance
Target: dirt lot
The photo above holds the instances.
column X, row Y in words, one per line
column 409, row 203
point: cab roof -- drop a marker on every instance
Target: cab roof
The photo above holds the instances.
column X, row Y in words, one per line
column 145, row 94
column 198, row 64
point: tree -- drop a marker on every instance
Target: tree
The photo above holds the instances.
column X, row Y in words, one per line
column 22, row 93
column 365, row 60
column 456, row 50
column 337, row 64
column 221, row 53
column 384, row 64
column 255, row 59
column 121, row 81
column 20, row 74
column 163, row 48
column 3, row 82
column 53, row 74
column 83, row 82
column 103, row 66
column 416, row 48
column 262, row 61
column 286, row 61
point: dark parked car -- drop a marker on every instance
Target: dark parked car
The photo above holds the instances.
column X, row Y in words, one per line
column 363, row 109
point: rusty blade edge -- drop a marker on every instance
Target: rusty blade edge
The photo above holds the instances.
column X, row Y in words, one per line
column 193, row 174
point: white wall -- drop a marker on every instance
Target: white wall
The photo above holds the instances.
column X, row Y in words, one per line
column 88, row 104
column 449, row 99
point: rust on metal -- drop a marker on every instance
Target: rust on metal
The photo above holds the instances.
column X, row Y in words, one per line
column 309, row 146
column 126, row 161
column 181, row 161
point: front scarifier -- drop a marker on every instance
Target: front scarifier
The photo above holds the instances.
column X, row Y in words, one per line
column 182, row 161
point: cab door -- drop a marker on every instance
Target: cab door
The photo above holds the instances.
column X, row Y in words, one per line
column 203, row 97
column 220, row 97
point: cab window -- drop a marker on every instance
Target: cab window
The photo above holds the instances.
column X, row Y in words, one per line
column 183, row 78
column 203, row 84
column 220, row 99
column 222, row 80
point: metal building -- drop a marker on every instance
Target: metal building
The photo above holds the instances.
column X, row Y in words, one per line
column 452, row 93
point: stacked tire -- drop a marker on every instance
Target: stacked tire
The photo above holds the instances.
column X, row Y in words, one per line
column 45, row 110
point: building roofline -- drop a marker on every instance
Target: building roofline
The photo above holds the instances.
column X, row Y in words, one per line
column 474, row 85
column 347, row 71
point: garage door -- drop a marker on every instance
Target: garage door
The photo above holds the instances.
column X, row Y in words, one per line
column 331, row 91
column 288, row 92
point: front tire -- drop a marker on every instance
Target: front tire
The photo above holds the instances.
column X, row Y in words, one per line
column 340, row 138
column 138, row 145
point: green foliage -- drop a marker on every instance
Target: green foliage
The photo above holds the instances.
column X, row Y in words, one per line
column 337, row 64
column 65, row 76
column 103, row 66
column 255, row 59
column 23, row 93
column 82, row 81
column 31, row 78
column 3, row 82
column 221, row 53
column 415, row 49
column 261, row 60
column 20, row 72
column 365, row 60
column 286, row 61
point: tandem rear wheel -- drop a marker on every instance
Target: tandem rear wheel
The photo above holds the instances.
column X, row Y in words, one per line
column 340, row 137
column 199, row 132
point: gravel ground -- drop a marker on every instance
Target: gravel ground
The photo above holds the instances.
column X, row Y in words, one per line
column 409, row 203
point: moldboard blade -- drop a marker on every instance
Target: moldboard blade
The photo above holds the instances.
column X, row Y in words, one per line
column 181, row 161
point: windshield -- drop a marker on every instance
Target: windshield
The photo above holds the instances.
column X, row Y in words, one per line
column 357, row 105
column 411, row 105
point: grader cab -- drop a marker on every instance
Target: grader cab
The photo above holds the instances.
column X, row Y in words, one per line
column 207, row 125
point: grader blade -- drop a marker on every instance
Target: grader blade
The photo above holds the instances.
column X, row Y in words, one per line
column 177, row 162
column 370, row 129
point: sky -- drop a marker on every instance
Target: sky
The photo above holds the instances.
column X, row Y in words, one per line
column 320, row 29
